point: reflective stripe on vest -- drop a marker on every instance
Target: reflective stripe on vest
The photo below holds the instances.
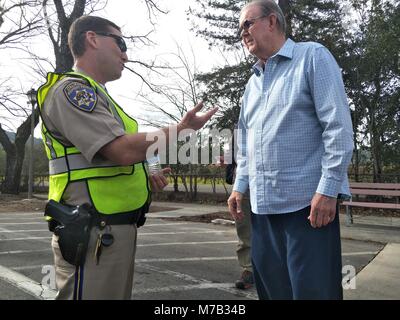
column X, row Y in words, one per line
column 75, row 162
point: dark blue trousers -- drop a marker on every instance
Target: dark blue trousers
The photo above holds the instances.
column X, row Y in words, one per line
column 292, row 260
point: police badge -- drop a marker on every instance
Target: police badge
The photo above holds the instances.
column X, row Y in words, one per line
column 81, row 96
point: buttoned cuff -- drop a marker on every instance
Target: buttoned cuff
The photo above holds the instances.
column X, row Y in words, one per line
column 329, row 187
column 240, row 185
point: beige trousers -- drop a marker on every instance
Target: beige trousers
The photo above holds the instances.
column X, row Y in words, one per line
column 112, row 278
column 243, row 230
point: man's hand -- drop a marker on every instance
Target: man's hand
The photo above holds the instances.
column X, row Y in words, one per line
column 235, row 205
column 193, row 121
column 158, row 181
column 323, row 210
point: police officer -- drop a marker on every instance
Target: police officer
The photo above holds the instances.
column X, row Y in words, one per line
column 96, row 156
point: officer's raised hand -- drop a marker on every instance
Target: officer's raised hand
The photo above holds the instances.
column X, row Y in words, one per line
column 191, row 120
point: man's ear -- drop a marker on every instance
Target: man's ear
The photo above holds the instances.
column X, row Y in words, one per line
column 272, row 22
column 91, row 39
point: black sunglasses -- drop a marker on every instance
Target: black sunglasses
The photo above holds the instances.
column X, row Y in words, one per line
column 247, row 24
column 119, row 40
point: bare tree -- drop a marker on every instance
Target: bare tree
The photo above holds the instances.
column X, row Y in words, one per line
column 173, row 99
column 39, row 17
column 169, row 102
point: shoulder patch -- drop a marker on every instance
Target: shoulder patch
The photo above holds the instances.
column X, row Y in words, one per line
column 81, row 96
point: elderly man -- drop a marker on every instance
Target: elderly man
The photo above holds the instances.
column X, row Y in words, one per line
column 295, row 145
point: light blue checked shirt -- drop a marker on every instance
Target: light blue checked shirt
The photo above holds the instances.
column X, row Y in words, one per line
column 295, row 135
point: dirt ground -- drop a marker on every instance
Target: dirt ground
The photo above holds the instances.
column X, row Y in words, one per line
column 20, row 203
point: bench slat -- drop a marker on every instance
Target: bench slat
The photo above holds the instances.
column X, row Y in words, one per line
column 372, row 205
column 394, row 193
column 367, row 185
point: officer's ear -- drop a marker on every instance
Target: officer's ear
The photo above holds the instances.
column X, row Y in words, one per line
column 91, row 40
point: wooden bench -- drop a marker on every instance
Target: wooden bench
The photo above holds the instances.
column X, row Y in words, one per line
column 374, row 189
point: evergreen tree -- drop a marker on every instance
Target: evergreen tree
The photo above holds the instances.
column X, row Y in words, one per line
column 307, row 20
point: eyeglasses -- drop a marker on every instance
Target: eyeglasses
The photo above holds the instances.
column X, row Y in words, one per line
column 247, row 24
column 119, row 40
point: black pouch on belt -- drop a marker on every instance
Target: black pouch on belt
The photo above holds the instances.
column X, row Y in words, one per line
column 72, row 228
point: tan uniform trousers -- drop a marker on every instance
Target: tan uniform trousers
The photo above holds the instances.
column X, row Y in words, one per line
column 243, row 230
column 111, row 279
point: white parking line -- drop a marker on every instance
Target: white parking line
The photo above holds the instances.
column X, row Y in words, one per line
column 186, row 259
column 26, row 284
column 165, row 224
column 26, row 238
column 21, row 218
column 182, row 232
column 186, row 287
column 360, row 253
column 23, row 251
column 18, row 268
column 20, row 231
column 39, row 214
column 20, row 223
column 38, row 266
column 199, row 283
column 184, row 243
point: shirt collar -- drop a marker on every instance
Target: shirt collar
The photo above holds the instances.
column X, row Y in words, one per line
column 76, row 69
column 286, row 51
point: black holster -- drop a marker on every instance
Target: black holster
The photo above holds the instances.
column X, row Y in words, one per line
column 72, row 225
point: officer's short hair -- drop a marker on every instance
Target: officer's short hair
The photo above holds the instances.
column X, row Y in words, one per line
column 267, row 7
column 76, row 35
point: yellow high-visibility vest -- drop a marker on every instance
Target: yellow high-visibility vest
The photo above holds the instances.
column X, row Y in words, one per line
column 112, row 188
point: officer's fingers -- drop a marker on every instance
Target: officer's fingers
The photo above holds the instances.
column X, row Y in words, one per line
column 166, row 170
column 197, row 107
column 156, row 182
column 164, row 181
column 153, row 185
column 210, row 113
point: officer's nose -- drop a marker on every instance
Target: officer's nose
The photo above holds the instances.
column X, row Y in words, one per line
column 124, row 57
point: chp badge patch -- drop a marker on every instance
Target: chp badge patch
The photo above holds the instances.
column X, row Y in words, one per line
column 81, row 96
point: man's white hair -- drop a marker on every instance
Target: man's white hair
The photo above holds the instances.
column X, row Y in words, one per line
column 267, row 7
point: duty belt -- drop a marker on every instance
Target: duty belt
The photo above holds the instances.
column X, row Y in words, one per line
column 101, row 220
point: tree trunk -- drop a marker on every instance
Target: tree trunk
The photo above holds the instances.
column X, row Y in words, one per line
column 15, row 153
column 176, row 186
column 285, row 6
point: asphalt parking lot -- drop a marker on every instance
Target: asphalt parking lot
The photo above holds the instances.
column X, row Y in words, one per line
column 175, row 259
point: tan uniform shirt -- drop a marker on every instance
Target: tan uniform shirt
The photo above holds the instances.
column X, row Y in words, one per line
column 88, row 129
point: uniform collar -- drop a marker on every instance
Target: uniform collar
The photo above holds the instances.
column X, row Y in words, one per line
column 76, row 69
